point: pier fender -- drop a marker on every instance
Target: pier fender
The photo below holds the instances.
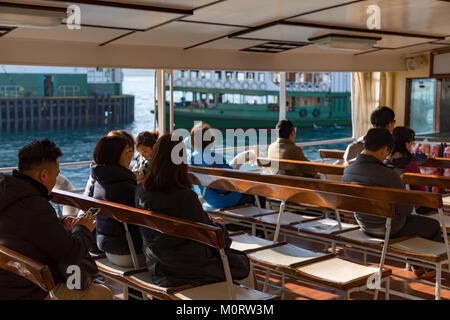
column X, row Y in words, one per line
column 227, row 84
column 262, row 86
column 62, row 183
column 303, row 112
column 316, row 112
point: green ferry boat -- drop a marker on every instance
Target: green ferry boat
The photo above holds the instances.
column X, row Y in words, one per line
column 227, row 99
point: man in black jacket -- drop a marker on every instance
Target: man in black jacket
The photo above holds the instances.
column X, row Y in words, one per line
column 29, row 225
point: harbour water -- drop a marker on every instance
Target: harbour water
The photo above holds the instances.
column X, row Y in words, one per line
column 78, row 144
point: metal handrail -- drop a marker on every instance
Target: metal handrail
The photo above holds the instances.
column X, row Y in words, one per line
column 62, row 165
column 243, row 148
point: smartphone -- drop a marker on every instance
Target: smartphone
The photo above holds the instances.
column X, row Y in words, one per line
column 90, row 211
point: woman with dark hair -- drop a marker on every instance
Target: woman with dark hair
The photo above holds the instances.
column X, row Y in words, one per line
column 89, row 189
column 114, row 181
column 403, row 160
column 175, row 261
column 401, row 157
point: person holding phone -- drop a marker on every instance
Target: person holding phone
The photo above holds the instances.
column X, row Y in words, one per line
column 29, row 225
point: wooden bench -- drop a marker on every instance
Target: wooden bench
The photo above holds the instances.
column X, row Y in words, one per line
column 27, row 268
column 286, row 258
column 327, row 154
column 141, row 280
column 441, row 182
column 339, row 196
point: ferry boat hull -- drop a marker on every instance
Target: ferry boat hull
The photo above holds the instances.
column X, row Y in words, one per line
column 185, row 118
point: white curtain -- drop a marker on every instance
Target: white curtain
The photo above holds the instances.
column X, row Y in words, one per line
column 365, row 99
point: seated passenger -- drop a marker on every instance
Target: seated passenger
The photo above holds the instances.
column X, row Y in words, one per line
column 403, row 160
column 201, row 155
column 114, row 181
column 29, row 225
column 176, row 261
column 285, row 148
column 368, row 169
column 382, row 117
column 89, row 189
column 144, row 145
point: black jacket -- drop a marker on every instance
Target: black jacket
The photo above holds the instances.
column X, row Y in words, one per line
column 115, row 184
column 176, row 261
column 30, row 226
column 367, row 170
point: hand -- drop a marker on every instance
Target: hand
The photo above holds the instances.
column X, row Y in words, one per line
column 69, row 221
column 89, row 221
column 139, row 177
column 216, row 219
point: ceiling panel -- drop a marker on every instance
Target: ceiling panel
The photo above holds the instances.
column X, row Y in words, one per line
column 409, row 16
column 177, row 34
column 228, row 43
column 302, row 34
column 61, row 33
column 255, row 12
column 123, row 18
column 419, row 49
column 186, row 4
column 116, row 17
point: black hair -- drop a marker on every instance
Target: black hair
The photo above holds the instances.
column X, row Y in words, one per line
column 381, row 117
column 146, row 138
column 108, row 150
column 402, row 135
column 284, row 128
column 37, row 152
column 377, row 138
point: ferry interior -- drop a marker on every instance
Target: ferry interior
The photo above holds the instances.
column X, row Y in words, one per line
column 304, row 242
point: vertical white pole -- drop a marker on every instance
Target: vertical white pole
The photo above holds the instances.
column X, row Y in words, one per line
column 171, row 119
column 155, row 81
column 161, row 102
column 282, row 96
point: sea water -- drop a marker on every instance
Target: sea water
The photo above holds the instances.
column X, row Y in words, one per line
column 78, row 144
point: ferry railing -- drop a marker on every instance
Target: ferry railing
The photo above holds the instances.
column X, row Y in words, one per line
column 240, row 148
column 259, row 148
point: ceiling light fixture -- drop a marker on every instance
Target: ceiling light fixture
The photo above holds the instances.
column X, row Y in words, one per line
column 31, row 18
column 344, row 42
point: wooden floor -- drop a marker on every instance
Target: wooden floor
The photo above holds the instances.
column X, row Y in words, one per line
column 424, row 290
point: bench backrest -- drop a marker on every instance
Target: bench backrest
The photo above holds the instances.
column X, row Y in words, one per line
column 285, row 187
column 27, row 268
column 331, row 154
column 304, row 166
column 336, row 169
column 207, row 234
column 441, row 182
column 443, row 163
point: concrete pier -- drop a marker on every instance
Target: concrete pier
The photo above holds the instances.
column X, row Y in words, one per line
column 21, row 114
